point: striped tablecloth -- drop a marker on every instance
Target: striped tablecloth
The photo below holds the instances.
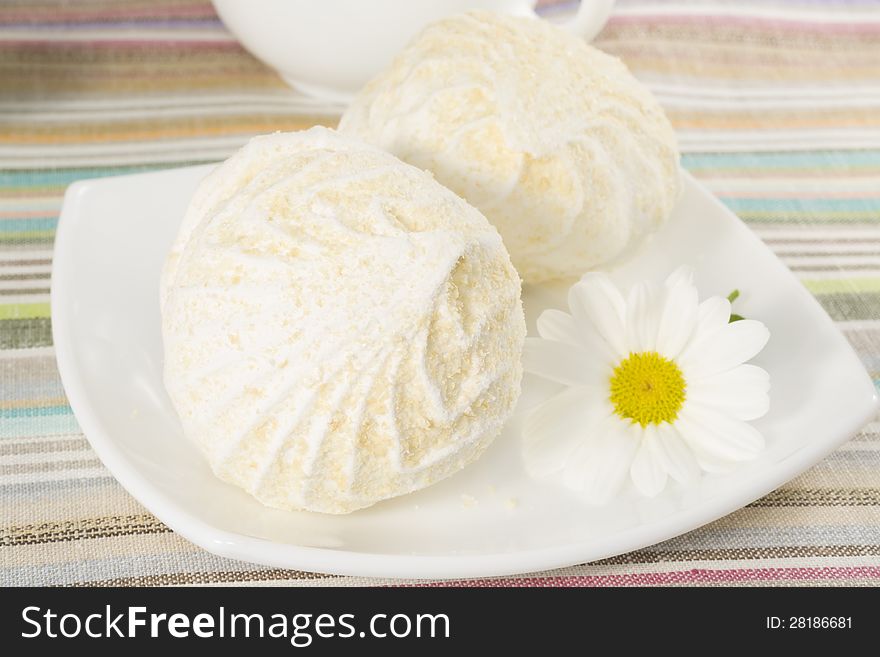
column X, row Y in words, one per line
column 777, row 105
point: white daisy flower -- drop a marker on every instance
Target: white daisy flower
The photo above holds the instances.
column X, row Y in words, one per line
column 657, row 387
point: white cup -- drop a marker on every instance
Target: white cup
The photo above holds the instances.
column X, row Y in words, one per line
column 330, row 48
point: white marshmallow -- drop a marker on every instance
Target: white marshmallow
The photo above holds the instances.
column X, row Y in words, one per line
column 339, row 328
column 562, row 149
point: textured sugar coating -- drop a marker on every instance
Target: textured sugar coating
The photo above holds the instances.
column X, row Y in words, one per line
column 562, row 149
column 339, row 328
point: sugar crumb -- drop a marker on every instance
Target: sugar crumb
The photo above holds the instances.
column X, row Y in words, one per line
column 468, row 501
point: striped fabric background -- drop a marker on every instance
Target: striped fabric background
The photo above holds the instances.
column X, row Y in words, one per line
column 777, row 104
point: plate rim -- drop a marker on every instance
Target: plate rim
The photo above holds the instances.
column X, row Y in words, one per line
column 333, row 561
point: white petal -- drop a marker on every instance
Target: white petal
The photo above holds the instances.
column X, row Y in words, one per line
column 741, row 376
column 713, row 464
column 553, row 430
column 684, row 275
column 678, row 319
column 740, row 392
column 712, row 314
column 599, row 467
column 558, row 325
column 724, row 349
column 647, row 471
column 641, row 316
column 718, row 436
column 563, row 362
column 677, row 458
column 595, row 300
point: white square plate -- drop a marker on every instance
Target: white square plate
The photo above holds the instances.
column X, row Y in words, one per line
column 489, row 519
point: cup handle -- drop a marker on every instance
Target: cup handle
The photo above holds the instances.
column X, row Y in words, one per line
column 590, row 18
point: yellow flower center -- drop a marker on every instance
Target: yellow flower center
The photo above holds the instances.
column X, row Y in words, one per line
column 647, row 388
